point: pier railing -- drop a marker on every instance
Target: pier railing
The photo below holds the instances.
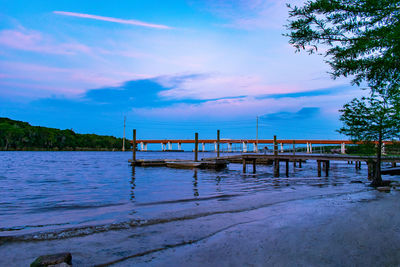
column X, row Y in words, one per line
column 308, row 146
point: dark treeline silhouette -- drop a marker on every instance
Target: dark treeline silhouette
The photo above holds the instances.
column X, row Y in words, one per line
column 19, row 135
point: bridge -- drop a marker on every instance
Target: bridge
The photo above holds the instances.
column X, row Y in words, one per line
column 247, row 145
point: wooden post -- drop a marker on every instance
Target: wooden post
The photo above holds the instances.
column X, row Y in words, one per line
column 218, row 140
column 196, row 146
column 358, row 165
column 275, row 146
column 393, row 164
column 254, row 165
column 319, row 168
column 287, row 168
column 134, row 146
column 300, row 163
column 294, row 153
column 276, row 161
column 276, row 167
column 244, row 165
column 327, row 165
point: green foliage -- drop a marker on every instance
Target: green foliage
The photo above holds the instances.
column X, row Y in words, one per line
column 376, row 117
column 362, row 149
column 18, row 135
column 371, row 118
column 359, row 38
column 393, row 149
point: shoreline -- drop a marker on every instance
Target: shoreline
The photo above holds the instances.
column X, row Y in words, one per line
column 328, row 233
column 327, row 228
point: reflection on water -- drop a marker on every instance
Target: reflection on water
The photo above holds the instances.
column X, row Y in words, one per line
column 53, row 189
column 133, row 185
column 195, row 189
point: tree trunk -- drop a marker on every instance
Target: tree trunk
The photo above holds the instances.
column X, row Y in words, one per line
column 377, row 179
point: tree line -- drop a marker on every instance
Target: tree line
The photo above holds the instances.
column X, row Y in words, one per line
column 19, row 135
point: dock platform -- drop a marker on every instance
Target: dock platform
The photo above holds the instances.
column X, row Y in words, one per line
column 323, row 161
column 181, row 164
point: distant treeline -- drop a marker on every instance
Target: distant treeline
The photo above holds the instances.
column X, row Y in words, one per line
column 19, row 135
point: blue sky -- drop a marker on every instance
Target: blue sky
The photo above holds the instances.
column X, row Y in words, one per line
column 171, row 67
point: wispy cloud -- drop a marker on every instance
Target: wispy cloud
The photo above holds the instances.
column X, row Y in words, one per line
column 35, row 41
column 215, row 86
column 250, row 14
column 110, row 19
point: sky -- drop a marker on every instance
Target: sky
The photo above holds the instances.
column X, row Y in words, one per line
column 172, row 68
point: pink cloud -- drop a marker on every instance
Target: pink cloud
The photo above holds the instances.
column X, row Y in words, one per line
column 56, row 80
column 110, row 19
column 218, row 86
column 35, row 41
column 13, row 88
column 223, row 108
column 52, row 80
column 246, row 106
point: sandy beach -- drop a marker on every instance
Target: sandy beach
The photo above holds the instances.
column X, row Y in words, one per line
column 338, row 231
column 361, row 228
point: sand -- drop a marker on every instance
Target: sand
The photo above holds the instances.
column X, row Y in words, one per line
column 310, row 228
column 346, row 230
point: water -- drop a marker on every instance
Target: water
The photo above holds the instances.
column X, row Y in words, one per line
column 58, row 195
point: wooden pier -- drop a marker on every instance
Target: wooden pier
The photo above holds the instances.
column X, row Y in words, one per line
column 181, row 164
column 178, row 163
column 323, row 160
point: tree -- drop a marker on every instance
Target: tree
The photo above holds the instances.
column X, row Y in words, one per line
column 362, row 38
column 376, row 117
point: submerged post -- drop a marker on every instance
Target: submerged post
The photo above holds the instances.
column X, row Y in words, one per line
column 287, row 168
column 327, row 166
column 319, row 168
column 218, row 139
column 196, row 146
column 134, row 146
column 276, row 167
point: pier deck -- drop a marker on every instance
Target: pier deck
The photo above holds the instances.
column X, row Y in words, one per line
column 181, row 164
column 323, row 161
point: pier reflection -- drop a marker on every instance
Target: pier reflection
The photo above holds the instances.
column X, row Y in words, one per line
column 195, row 184
column 133, row 184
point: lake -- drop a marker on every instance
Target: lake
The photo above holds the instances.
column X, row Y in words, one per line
column 60, row 195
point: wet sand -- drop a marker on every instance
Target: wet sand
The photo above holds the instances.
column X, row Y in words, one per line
column 310, row 227
column 347, row 230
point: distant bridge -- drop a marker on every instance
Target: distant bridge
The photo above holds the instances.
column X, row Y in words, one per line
column 247, row 145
